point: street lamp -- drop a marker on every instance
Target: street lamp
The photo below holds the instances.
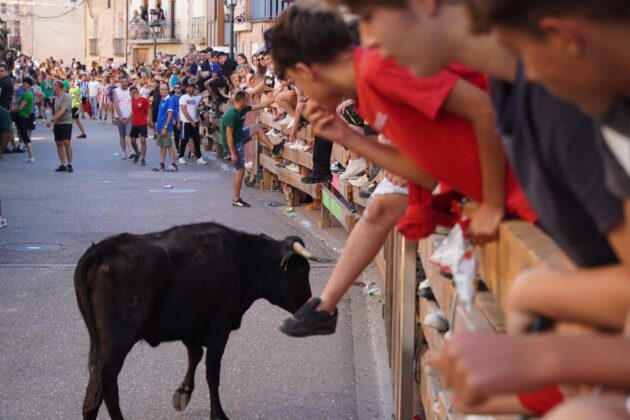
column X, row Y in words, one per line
column 155, row 25
column 230, row 5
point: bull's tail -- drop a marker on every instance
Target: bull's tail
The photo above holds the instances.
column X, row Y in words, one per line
column 94, row 394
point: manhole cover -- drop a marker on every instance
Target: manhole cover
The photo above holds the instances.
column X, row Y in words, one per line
column 173, row 190
column 30, row 247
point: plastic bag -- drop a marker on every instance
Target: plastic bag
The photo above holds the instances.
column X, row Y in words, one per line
column 456, row 255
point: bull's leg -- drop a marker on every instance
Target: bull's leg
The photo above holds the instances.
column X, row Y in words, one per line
column 94, row 393
column 181, row 397
column 216, row 347
column 111, row 369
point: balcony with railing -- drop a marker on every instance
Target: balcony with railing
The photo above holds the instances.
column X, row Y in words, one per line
column 197, row 29
column 93, row 46
column 140, row 32
column 119, row 47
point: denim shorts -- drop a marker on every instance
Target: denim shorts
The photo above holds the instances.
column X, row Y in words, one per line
column 240, row 149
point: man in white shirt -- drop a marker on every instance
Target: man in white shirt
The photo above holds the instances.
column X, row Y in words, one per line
column 189, row 116
column 93, row 86
column 122, row 107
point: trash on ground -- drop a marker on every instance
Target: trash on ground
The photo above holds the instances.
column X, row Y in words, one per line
column 372, row 289
column 306, row 224
column 289, row 209
column 168, row 186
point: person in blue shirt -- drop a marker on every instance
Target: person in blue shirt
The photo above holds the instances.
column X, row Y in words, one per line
column 177, row 125
column 83, row 85
column 163, row 125
column 217, row 80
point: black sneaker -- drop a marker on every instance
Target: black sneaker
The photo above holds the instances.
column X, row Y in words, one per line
column 70, row 168
column 137, row 158
column 240, row 203
column 132, row 156
column 82, row 136
column 61, row 168
column 309, row 321
column 317, row 179
column 277, row 149
column 160, row 168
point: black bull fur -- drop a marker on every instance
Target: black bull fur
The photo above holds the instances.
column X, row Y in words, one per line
column 190, row 283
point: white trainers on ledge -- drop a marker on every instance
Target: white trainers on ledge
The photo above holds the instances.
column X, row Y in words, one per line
column 354, row 169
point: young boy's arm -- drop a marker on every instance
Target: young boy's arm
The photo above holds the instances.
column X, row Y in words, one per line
column 473, row 104
column 334, row 128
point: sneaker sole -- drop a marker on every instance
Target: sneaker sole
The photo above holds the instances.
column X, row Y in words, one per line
column 310, row 333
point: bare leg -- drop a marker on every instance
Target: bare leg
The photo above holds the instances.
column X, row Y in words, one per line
column 171, row 153
column 257, row 130
column 123, row 145
column 162, row 154
column 364, row 242
column 287, row 100
column 134, row 144
column 80, row 125
column 143, row 147
column 61, row 152
column 238, row 182
column 29, row 148
column 68, row 147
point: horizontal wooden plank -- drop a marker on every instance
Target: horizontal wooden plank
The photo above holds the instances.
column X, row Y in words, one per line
column 338, row 154
column 521, row 246
column 267, row 119
column 300, row 157
column 291, row 178
column 338, row 209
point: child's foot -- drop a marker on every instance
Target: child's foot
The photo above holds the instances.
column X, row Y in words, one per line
column 309, row 321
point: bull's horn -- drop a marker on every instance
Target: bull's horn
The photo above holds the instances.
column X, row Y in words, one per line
column 301, row 251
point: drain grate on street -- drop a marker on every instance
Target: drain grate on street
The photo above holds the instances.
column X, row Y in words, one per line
column 37, row 266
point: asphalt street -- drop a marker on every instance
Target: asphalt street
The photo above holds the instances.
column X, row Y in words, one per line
column 54, row 217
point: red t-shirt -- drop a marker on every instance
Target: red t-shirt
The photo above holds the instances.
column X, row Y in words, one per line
column 408, row 111
column 139, row 109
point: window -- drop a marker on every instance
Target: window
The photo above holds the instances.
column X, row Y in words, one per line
column 267, row 9
column 3, row 8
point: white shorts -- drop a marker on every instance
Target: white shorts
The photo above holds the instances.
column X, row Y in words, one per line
column 386, row 187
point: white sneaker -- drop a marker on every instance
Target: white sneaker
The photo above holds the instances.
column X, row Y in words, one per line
column 436, row 321
column 29, row 160
column 123, row 156
column 249, row 166
column 3, row 222
column 362, row 182
column 294, row 145
column 171, row 168
column 182, row 161
column 354, row 169
column 200, row 161
column 294, row 168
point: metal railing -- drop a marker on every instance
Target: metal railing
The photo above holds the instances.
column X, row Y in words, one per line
column 94, row 46
column 119, row 47
column 197, row 33
column 140, row 30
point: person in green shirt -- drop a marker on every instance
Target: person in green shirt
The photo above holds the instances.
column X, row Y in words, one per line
column 234, row 136
column 75, row 96
column 66, row 85
column 47, row 89
column 22, row 110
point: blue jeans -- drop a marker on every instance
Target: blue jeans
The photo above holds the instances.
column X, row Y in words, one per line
column 94, row 105
column 240, row 149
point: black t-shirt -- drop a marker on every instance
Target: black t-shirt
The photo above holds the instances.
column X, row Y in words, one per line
column 229, row 67
column 6, row 92
column 554, row 153
column 157, row 97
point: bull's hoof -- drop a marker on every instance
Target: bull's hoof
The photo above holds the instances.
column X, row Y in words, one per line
column 181, row 398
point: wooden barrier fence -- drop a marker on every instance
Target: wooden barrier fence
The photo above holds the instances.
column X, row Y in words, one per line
column 403, row 265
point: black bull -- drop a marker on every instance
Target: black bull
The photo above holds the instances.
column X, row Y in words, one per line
column 190, row 283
